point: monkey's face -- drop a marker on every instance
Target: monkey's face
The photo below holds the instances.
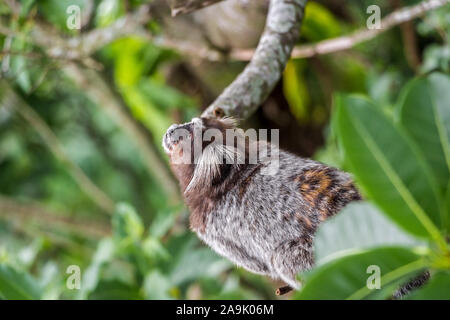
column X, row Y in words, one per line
column 198, row 151
column 181, row 136
column 187, row 137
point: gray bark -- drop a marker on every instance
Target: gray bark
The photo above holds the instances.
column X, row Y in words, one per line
column 243, row 96
column 185, row 6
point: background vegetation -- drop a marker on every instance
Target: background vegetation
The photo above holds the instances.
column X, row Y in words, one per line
column 84, row 181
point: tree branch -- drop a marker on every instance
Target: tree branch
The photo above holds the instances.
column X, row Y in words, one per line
column 81, row 47
column 346, row 42
column 185, row 6
column 12, row 101
column 254, row 84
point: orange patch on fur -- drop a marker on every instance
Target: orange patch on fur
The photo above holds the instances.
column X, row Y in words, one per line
column 305, row 220
column 313, row 184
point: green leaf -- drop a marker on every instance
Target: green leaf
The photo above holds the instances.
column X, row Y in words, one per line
column 157, row 286
column 387, row 167
column 26, row 5
column 358, row 226
column 132, row 59
column 319, row 23
column 437, row 288
column 91, row 277
column 126, row 223
column 435, row 57
column 163, row 221
column 191, row 262
column 154, row 250
column 447, row 202
column 55, row 11
column 163, row 96
column 146, row 112
column 17, row 285
column 116, row 290
column 27, row 255
column 348, row 277
column 20, row 68
column 383, row 87
column 201, row 262
column 424, row 112
column 108, row 11
column 440, row 91
column 295, row 91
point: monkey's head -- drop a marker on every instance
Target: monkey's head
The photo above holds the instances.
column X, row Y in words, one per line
column 197, row 149
column 180, row 138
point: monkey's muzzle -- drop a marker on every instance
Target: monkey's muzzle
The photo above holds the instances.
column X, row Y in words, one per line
column 176, row 134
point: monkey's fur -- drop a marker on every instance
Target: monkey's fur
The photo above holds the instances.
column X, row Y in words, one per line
column 264, row 223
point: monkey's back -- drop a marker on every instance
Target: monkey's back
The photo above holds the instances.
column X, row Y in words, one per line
column 262, row 213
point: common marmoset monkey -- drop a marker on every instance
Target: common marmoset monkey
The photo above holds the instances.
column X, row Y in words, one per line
column 262, row 222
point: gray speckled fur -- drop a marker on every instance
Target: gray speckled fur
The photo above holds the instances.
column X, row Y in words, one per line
column 264, row 223
column 260, row 231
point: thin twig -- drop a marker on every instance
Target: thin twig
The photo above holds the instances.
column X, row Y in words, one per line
column 81, row 47
column 131, row 24
column 31, row 55
column 179, row 7
column 346, row 42
column 14, row 6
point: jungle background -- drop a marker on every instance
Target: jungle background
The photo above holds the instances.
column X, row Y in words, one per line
column 83, row 177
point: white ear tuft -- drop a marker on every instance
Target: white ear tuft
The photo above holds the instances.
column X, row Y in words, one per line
column 208, row 166
column 229, row 121
column 206, row 169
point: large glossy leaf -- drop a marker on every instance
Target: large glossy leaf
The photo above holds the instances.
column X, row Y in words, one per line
column 358, row 226
column 424, row 112
column 17, row 285
column 347, row 277
column 437, row 288
column 386, row 166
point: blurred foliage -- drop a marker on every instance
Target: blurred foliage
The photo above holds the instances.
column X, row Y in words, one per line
column 392, row 141
column 401, row 162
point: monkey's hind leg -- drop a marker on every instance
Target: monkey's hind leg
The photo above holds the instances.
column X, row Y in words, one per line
column 289, row 259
